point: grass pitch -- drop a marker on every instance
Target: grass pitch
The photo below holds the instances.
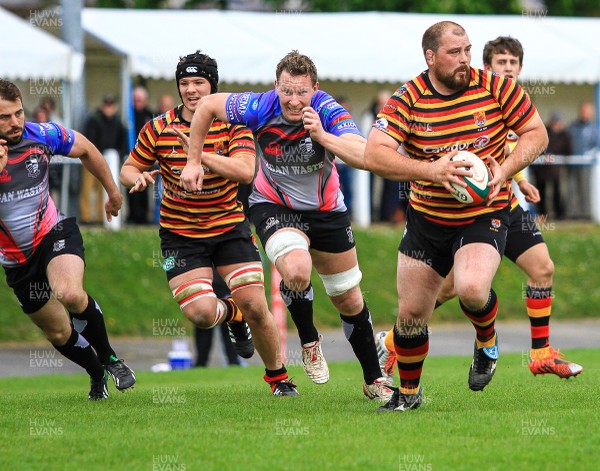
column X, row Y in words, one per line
column 124, row 275
column 225, row 419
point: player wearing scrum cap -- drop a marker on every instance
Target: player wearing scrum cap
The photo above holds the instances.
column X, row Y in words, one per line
column 199, row 229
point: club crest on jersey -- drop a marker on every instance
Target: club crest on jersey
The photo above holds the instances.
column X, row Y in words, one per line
column 4, row 176
column 33, row 167
column 306, row 147
column 479, row 117
column 219, row 147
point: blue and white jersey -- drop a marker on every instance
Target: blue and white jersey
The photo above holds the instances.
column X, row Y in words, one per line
column 294, row 171
column 27, row 212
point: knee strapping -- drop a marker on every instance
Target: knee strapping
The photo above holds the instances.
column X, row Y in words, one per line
column 245, row 277
column 340, row 283
column 283, row 242
column 192, row 291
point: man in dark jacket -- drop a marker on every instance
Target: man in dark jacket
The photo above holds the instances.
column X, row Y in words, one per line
column 106, row 131
column 138, row 203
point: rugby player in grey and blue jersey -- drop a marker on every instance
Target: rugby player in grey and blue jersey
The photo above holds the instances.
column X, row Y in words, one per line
column 296, row 203
column 41, row 250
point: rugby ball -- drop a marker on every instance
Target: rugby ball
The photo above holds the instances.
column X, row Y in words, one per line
column 477, row 190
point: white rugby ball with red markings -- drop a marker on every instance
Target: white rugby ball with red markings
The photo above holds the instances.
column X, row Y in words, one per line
column 477, row 190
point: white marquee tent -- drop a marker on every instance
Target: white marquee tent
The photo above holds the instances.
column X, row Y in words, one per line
column 370, row 47
column 29, row 52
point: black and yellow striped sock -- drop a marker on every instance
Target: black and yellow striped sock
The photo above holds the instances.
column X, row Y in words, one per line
column 411, row 351
column 539, row 307
column 484, row 321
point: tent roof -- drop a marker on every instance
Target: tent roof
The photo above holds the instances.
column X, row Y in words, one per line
column 29, row 52
column 371, row 46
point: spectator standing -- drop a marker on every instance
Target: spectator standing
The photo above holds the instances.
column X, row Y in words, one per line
column 584, row 139
column 385, row 194
column 549, row 174
column 49, row 104
column 165, row 103
column 138, row 203
column 40, row 115
column 106, row 131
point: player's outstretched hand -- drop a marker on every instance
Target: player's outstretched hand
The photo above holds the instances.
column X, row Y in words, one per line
column 532, row 194
column 182, row 138
column 113, row 205
column 192, row 176
column 141, row 182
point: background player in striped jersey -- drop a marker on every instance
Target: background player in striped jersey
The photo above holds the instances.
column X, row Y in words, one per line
column 41, row 250
column 450, row 107
column 199, row 229
column 525, row 247
column 296, row 203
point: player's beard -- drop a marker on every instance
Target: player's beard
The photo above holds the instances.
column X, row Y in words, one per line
column 453, row 81
column 11, row 141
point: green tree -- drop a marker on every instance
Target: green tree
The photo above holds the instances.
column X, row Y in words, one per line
column 572, row 8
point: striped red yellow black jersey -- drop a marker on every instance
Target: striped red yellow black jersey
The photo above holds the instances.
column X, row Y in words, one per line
column 511, row 140
column 213, row 211
column 429, row 125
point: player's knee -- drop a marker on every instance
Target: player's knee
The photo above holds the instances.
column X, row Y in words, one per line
column 473, row 296
column 200, row 316
column 296, row 267
column 74, row 300
column 349, row 303
column 253, row 310
column 296, row 281
column 543, row 272
column 197, row 301
column 57, row 336
column 446, row 294
column 291, row 244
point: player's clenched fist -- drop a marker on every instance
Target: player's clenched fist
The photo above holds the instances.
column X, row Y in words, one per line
column 192, row 176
